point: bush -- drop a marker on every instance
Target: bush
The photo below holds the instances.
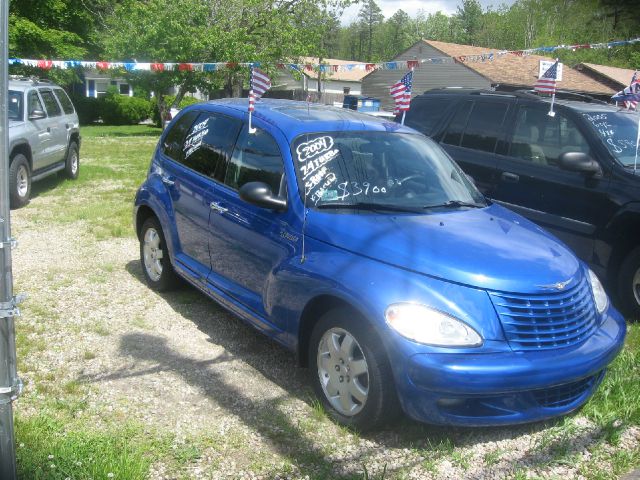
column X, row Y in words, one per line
column 88, row 108
column 185, row 102
column 118, row 109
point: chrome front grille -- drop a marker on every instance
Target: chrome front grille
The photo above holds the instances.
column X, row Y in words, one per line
column 548, row 320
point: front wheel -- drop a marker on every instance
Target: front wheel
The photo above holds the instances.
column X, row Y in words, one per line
column 629, row 284
column 350, row 371
column 19, row 181
column 154, row 256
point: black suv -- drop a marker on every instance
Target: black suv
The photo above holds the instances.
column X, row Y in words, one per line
column 573, row 173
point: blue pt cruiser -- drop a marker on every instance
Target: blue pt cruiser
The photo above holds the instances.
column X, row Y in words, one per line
column 360, row 245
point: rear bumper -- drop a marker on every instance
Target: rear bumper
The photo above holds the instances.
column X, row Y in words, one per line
column 508, row 387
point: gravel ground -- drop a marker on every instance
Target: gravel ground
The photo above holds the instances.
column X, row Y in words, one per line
column 180, row 363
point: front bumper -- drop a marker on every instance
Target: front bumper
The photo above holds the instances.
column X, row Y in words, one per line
column 500, row 388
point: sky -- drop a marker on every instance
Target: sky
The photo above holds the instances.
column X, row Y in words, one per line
column 389, row 7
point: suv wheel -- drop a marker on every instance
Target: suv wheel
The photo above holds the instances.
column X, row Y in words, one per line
column 19, row 181
column 72, row 165
column 154, row 256
column 350, row 372
column 629, row 284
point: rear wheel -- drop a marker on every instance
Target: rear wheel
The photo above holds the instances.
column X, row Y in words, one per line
column 350, row 371
column 629, row 284
column 19, row 181
column 72, row 164
column 154, row 256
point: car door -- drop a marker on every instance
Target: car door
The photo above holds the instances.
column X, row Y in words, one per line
column 532, row 183
column 475, row 132
column 40, row 137
column 55, row 125
column 247, row 242
column 190, row 173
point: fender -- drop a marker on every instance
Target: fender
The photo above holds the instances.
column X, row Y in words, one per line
column 151, row 195
column 620, row 235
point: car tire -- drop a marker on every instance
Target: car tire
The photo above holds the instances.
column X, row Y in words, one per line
column 352, row 378
column 72, row 164
column 154, row 257
column 19, row 181
column 629, row 284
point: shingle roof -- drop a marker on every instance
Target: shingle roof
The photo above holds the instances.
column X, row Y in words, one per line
column 516, row 70
column 620, row 75
column 354, row 75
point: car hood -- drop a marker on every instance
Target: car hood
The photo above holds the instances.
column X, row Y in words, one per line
column 490, row 248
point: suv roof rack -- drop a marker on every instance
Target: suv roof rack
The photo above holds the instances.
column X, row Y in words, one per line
column 33, row 79
column 564, row 95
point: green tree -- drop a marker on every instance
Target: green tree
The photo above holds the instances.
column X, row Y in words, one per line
column 370, row 18
column 470, row 17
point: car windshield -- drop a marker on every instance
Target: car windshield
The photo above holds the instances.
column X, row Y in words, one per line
column 382, row 171
column 15, row 105
column 619, row 132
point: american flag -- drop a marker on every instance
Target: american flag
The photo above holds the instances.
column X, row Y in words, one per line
column 630, row 96
column 401, row 93
column 547, row 82
column 258, row 84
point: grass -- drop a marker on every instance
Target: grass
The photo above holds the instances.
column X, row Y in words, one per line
column 114, row 162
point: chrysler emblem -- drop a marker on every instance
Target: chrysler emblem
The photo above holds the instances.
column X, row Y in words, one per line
column 555, row 286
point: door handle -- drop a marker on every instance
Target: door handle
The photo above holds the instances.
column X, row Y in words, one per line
column 167, row 181
column 510, row 177
column 49, row 129
column 215, row 206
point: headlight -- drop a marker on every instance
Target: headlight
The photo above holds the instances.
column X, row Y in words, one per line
column 599, row 295
column 431, row 327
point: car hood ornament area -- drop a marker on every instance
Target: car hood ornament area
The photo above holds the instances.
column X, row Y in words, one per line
column 555, row 286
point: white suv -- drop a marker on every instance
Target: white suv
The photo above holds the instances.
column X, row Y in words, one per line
column 44, row 135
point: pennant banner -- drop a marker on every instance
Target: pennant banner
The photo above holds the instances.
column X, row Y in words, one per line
column 308, row 67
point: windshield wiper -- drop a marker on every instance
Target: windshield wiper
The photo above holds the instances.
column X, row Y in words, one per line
column 456, row 204
column 369, row 206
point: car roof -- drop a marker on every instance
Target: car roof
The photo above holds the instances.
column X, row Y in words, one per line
column 572, row 100
column 294, row 118
column 22, row 83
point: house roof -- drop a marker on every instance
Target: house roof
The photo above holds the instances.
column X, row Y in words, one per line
column 622, row 76
column 355, row 75
column 517, row 70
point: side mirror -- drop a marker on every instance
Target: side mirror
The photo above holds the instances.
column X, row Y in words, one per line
column 37, row 115
column 580, row 162
column 260, row 194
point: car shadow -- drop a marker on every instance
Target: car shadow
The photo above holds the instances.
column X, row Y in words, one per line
column 278, row 365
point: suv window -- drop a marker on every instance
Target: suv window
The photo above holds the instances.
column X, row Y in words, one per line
column 541, row 139
column 484, row 126
column 172, row 144
column 34, row 102
column 256, row 158
column 456, row 127
column 427, row 113
column 64, row 100
column 15, row 105
column 53, row 109
column 209, row 143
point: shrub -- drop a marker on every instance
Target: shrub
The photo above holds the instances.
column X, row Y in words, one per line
column 118, row 109
column 88, row 108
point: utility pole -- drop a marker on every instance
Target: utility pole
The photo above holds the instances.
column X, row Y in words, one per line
column 10, row 385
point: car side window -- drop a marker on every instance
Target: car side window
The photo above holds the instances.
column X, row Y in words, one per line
column 172, row 143
column 209, row 142
column 64, row 100
column 256, row 158
column 34, row 102
column 427, row 113
column 53, row 109
column 484, row 126
column 453, row 135
column 541, row 139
